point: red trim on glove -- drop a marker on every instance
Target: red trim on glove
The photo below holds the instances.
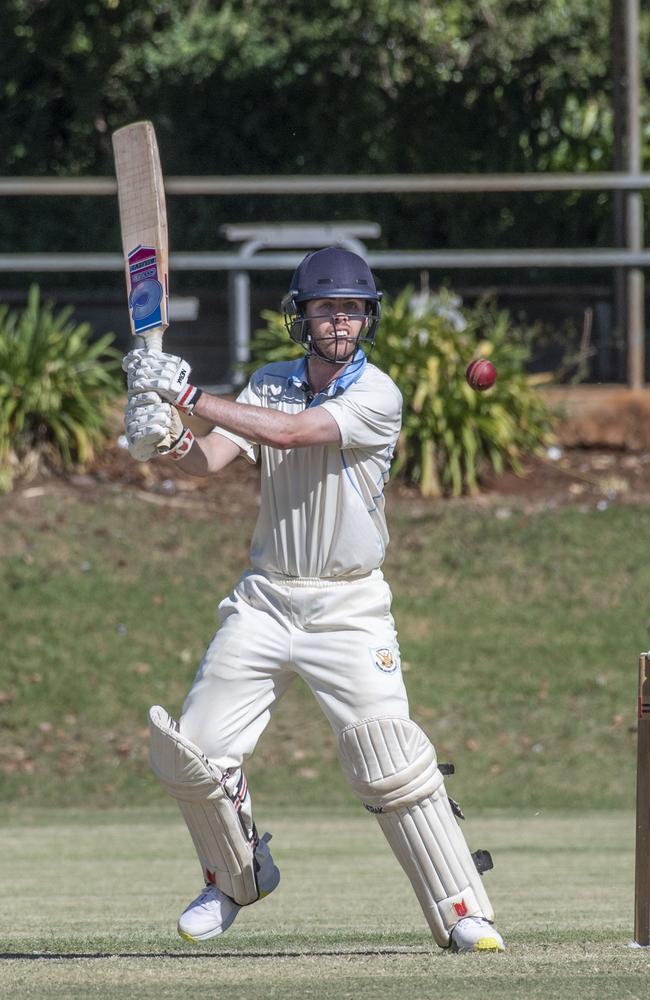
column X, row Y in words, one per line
column 188, row 399
column 181, row 447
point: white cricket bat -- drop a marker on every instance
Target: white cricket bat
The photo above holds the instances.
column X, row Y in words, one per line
column 143, row 218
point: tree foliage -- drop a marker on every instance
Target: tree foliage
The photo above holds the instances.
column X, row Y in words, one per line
column 244, row 86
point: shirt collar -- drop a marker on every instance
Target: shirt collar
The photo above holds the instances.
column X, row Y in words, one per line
column 352, row 371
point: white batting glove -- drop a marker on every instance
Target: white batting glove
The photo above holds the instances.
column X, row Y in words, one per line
column 166, row 374
column 154, row 428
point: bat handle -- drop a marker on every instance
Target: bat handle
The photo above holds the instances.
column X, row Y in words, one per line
column 152, row 341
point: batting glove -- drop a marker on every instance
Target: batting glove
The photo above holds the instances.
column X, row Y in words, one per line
column 166, row 374
column 154, row 428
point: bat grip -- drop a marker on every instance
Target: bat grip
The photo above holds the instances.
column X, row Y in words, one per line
column 151, row 342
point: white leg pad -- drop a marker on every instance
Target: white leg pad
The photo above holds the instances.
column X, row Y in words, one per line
column 392, row 767
column 226, row 850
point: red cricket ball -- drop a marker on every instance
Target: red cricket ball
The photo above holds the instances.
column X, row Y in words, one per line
column 481, row 374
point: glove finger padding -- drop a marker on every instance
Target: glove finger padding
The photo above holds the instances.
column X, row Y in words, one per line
column 134, row 360
column 151, row 426
column 155, row 371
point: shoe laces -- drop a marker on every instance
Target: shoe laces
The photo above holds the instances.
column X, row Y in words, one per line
column 207, row 894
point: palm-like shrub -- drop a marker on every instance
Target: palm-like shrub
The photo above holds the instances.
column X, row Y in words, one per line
column 450, row 432
column 56, row 388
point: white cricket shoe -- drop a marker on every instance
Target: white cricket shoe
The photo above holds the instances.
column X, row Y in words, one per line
column 476, row 934
column 212, row 912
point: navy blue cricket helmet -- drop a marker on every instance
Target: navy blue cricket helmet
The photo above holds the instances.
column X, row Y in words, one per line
column 331, row 273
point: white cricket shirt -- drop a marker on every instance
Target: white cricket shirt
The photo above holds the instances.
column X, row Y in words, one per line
column 322, row 506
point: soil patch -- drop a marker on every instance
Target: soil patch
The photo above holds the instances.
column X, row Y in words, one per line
column 602, row 457
column 595, row 477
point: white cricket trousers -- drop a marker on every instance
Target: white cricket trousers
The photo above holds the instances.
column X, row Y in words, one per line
column 339, row 636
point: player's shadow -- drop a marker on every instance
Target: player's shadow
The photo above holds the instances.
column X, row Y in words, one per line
column 323, row 953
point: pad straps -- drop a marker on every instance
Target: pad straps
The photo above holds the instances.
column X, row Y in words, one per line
column 391, row 766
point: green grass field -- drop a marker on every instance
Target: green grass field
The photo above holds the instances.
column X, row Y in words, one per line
column 520, row 634
column 519, row 637
column 90, row 901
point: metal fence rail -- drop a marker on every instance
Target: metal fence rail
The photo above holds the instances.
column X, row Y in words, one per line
column 628, row 261
column 293, row 184
column 392, row 260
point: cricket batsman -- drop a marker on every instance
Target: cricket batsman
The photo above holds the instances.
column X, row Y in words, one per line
column 314, row 604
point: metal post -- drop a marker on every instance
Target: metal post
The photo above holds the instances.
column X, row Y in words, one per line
column 642, row 850
column 239, row 295
column 617, row 359
column 634, row 203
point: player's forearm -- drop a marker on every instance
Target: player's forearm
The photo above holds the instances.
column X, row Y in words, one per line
column 196, row 462
column 263, row 426
column 167, row 377
column 207, row 455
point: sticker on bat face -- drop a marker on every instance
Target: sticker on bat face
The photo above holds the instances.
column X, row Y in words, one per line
column 145, row 298
column 146, row 293
column 385, row 659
